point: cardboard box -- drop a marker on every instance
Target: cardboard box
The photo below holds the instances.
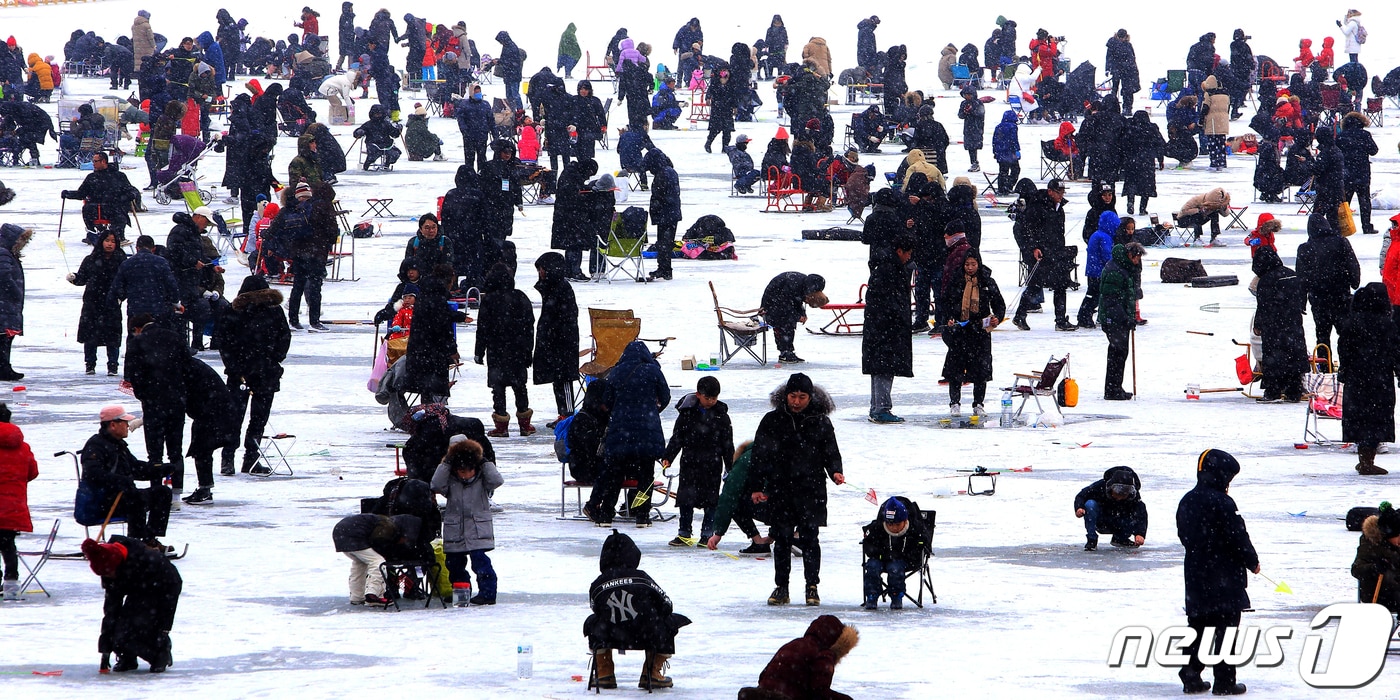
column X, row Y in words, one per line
column 688, row 362
column 341, row 116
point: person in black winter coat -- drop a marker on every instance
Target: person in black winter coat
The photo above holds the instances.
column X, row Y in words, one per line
column 509, row 68
column 109, row 468
column 432, row 346
column 794, row 453
column 475, row 121
column 886, row 346
column 106, row 194
column 1101, row 139
column 1329, row 177
column 368, row 539
column 1268, row 174
column 379, row 134
column 1218, row 553
column 884, row 223
column 555, row 359
column 501, row 196
column 665, row 210
column 572, row 229
column 505, row 339
column 1144, row 154
column 724, row 100
column 931, row 137
column 1113, row 506
column 704, row 439
column 585, row 434
column 1278, row 319
column 1200, row 60
column 186, row 255
column 782, row 307
column 1101, row 199
column 974, row 306
column 894, row 545
column 650, row 625
column 210, row 408
column 1357, row 149
column 589, row 119
column 895, row 83
column 634, row 84
column 155, row 368
column 429, row 248
column 865, row 42
column 345, row 35
column 1043, row 242
column 777, row 39
column 100, row 323
column 142, row 591
column 1120, row 61
column 974, row 116
column 461, row 212
column 1368, row 348
column 255, row 342
column 1330, row 272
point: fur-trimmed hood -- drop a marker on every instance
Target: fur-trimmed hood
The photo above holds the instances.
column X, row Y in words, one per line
column 822, row 403
column 1371, row 529
column 261, row 297
column 850, row 636
column 14, row 238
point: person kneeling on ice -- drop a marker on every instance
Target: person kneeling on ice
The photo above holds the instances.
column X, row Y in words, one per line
column 630, row 611
column 894, row 544
column 466, row 479
column 802, row 669
column 142, row 591
column 365, row 538
column 1113, row 506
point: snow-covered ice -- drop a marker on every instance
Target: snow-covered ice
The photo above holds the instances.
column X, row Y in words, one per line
column 1021, row 609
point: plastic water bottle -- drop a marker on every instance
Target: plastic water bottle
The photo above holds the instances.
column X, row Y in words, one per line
column 1006, row 409
column 20, row 395
column 524, row 661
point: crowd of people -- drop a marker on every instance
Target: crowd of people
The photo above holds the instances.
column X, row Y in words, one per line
column 923, row 236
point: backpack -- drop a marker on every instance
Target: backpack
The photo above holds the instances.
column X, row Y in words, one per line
column 561, row 438
column 1360, row 33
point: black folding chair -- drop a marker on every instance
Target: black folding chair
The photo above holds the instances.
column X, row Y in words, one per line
column 921, row 569
column 421, row 576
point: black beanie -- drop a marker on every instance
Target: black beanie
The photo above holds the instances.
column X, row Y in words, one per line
column 253, row 283
column 799, row 382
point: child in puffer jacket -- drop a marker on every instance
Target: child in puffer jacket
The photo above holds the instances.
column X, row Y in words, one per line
column 466, row 479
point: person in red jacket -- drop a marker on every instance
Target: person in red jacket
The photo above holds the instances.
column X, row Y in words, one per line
column 1390, row 266
column 310, row 22
column 1263, row 234
column 17, row 469
column 1044, row 50
column 802, row 669
column 1326, row 58
column 1304, row 57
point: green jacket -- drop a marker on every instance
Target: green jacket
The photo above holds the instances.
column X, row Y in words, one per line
column 735, row 488
column 568, row 43
column 305, row 166
column 1118, row 290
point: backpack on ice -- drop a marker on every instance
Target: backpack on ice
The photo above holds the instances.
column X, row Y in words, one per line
column 1181, row 270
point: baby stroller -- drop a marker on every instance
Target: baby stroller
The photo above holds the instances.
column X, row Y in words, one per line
column 182, row 174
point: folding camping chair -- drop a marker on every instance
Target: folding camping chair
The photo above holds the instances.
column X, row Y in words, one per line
column 603, row 138
column 1052, row 163
column 1324, row 395
column 421, row 576
column 1375, row 111
column 1306, row 196
column 622, row 251
column 1037, row 384
column 1245, row 371
column 273, row 451
column 745, row 329
column 1017, row 106
column 921, row 568
column 962, row 77
column 227, row 237
column 77, row 511
column 604, row 71
column 1333, row 107
column 611, row 331
column 43, row 558
column 1236, row 218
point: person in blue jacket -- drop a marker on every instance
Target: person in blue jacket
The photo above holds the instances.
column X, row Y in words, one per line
column 1006, row 149
column 214, row 56
column 635, row 396
column 1100, row 251
column 475, row 121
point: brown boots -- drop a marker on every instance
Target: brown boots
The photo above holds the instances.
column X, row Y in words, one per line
column 524, row 418
column 603, row 670
column 1367, row 464
column 502, row 426
column 652, row 676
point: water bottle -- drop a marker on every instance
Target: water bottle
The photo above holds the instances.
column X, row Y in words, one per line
column 524, row 661
column 461, row 593
column 1006, row 409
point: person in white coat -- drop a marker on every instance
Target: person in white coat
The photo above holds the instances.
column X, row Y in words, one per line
column 1351, row 29
column 342, row 86
column 466, row 479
